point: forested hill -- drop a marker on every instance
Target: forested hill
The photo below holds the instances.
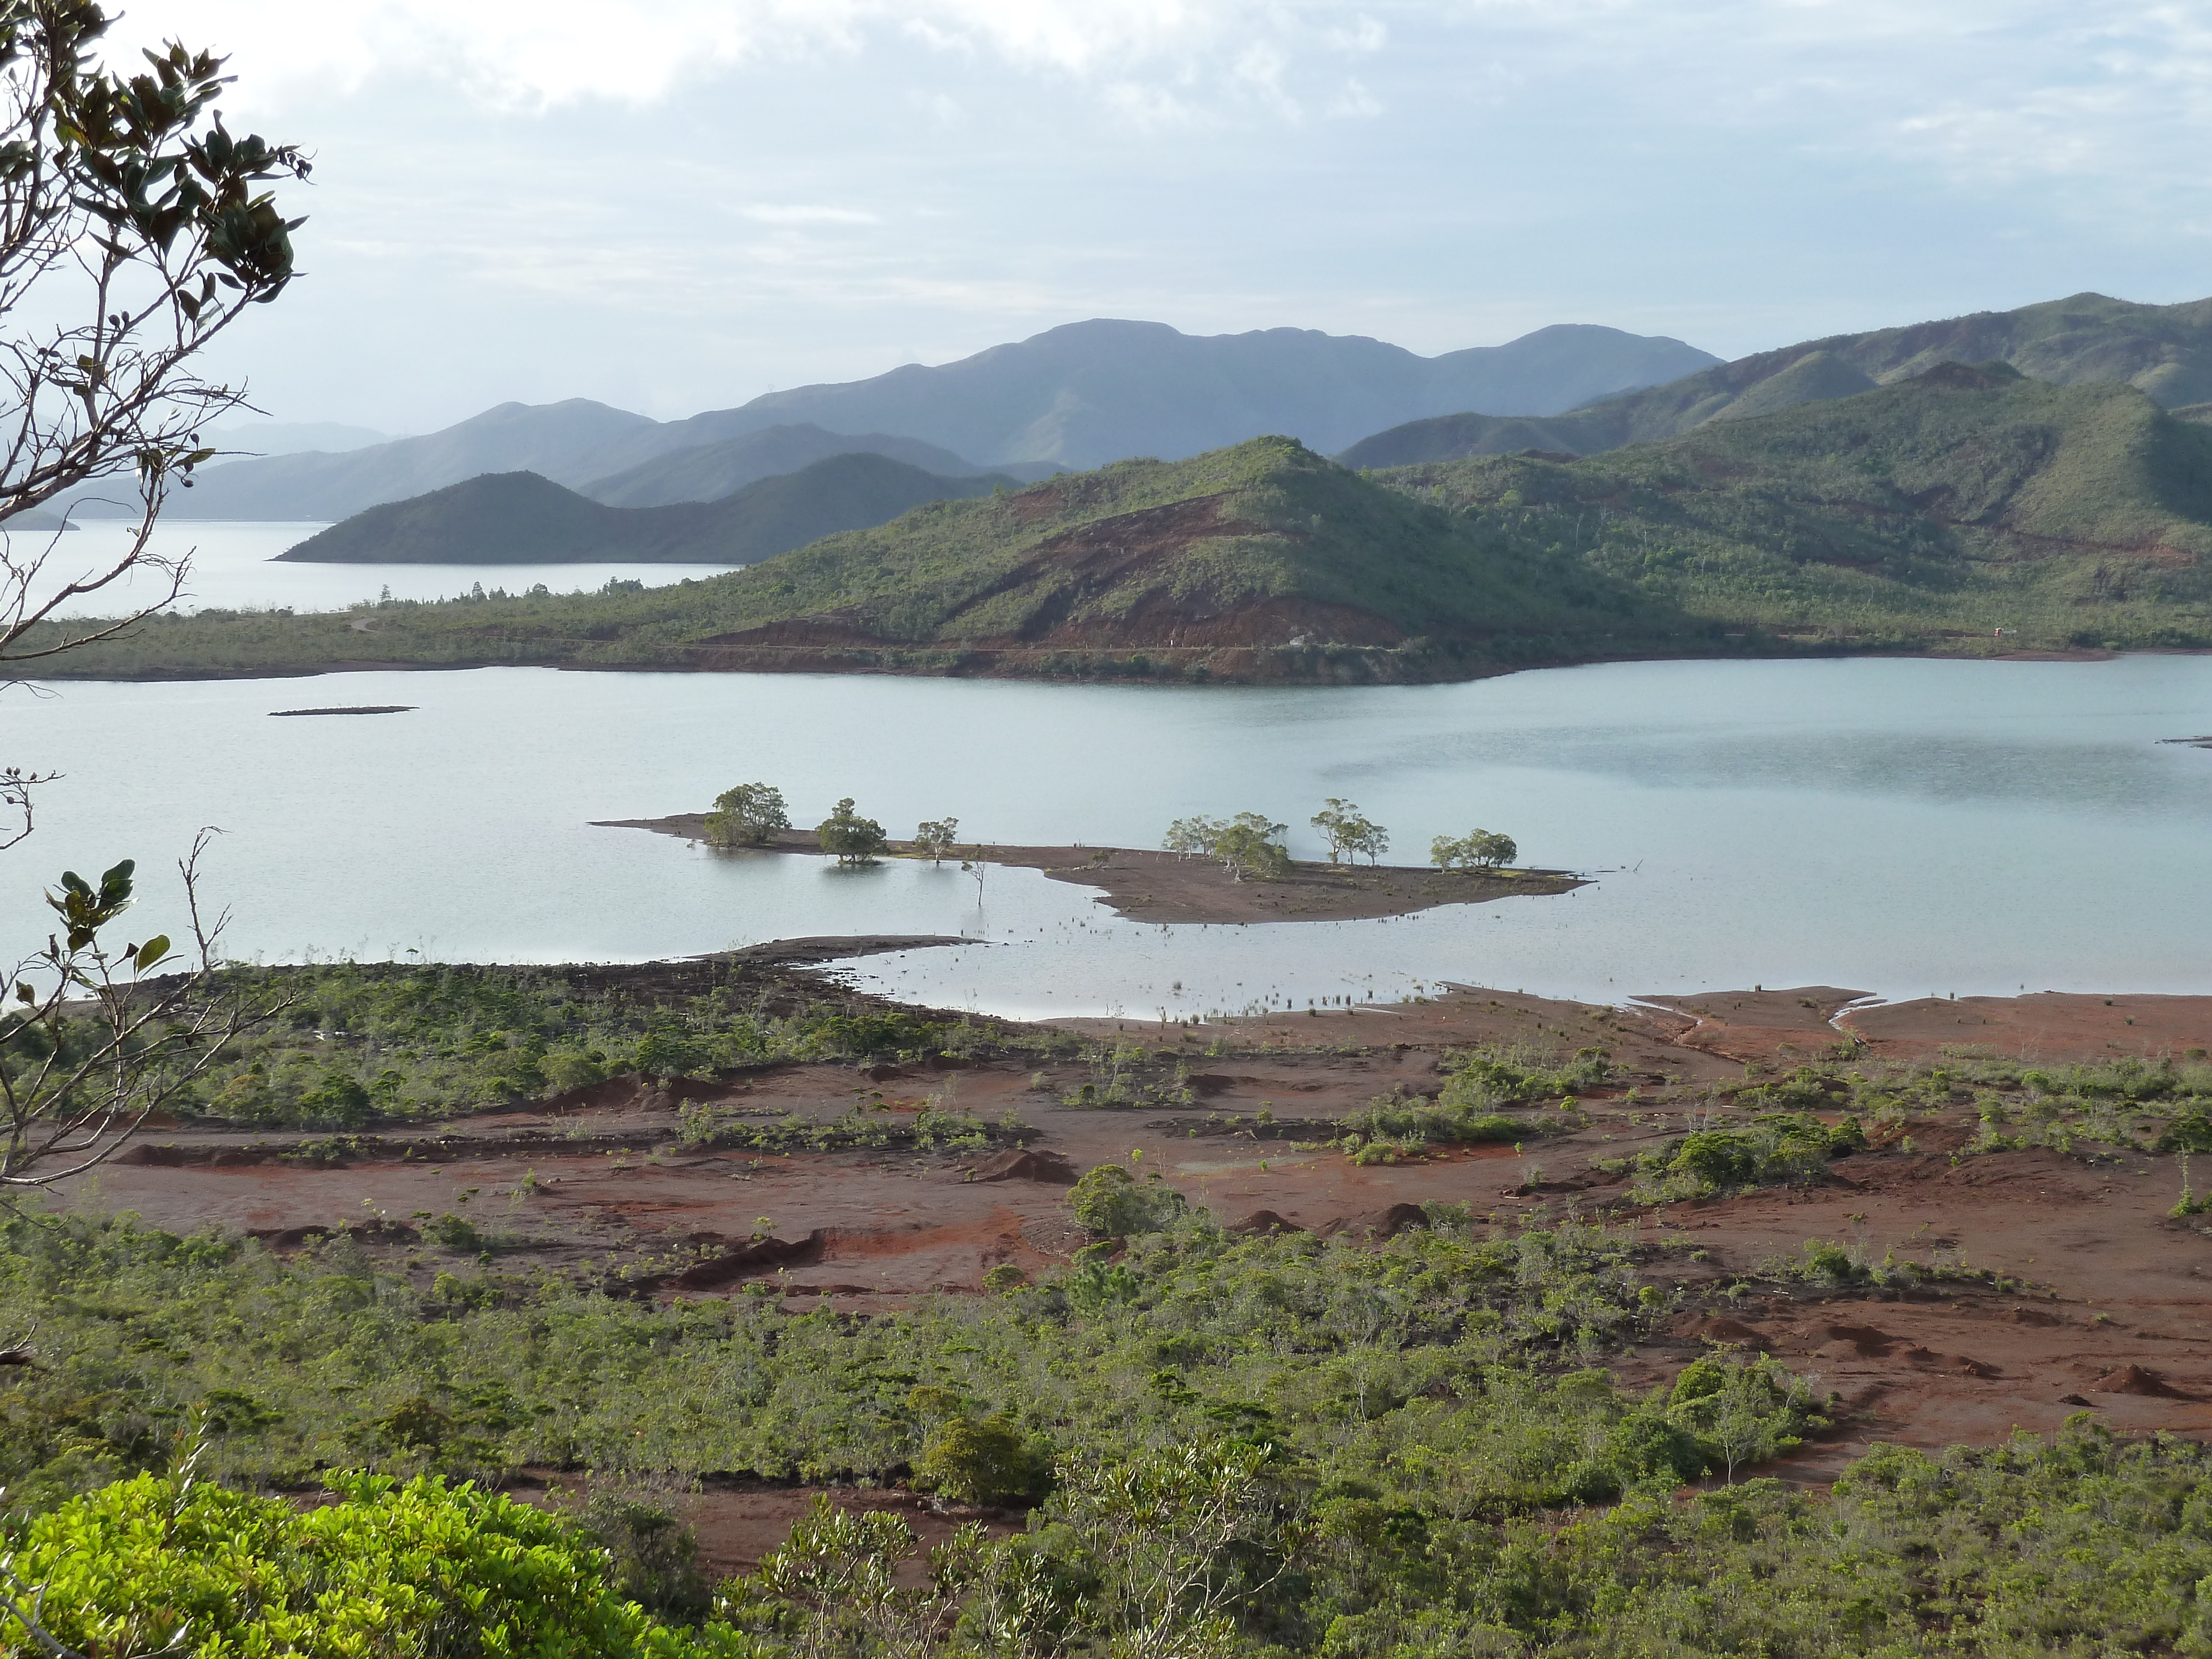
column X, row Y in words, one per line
column 2164, row 351
column 1968, row 509
column 519, row 518
column 1940, row 510
column 1263, row 561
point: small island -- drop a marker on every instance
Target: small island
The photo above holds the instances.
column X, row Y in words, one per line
column 355, row 708
column 1173, row 887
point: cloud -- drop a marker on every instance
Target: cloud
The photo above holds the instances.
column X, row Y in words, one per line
column 805, row 214
column 545, row 54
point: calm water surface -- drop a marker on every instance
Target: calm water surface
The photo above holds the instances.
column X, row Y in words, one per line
column 1902, row 827
column 231, row 570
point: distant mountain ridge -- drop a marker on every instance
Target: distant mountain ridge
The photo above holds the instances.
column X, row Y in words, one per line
column 2164, row 351
column 1091, row 392
column 1073, row 397
column 520, row 517
column 707, row 472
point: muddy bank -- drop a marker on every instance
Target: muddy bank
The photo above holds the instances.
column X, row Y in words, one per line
column 1166, row 887
column 812, row 951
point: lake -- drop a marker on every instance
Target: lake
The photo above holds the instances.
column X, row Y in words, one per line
column 1900, row 826
column 232, row 570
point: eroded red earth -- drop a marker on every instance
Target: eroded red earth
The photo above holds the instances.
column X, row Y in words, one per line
column 2112, row 1309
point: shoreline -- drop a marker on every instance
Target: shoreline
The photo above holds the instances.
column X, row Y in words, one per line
column 1108, row 668
column 1170, row 888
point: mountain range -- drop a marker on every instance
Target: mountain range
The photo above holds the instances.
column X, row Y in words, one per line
column 1073, row 396
column 1964, row 508
column 2164, row 351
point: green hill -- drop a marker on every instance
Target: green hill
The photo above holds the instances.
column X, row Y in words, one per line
column 1262, row 561
column 2164, row 351
column 1968, row 509
column 1944, row 508
column 520, row 518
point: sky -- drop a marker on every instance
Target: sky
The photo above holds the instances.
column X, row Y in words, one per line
column 672, row 205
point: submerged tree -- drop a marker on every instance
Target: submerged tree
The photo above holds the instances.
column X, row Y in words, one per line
column 747, row 815
column 935, row 837
column 851, row 838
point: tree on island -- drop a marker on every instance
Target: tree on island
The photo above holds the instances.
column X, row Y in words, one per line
column 853, row 838
column 1479, row 849
column 1192, row 836
column 1248, row 845
column 935, row 837
column 1348, row 833
column 747, row 815
column 134, row 229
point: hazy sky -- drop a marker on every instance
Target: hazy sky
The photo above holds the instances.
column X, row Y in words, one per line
column 676, row 204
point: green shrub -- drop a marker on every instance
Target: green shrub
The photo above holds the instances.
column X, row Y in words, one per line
column 387, row 1570
column 1109, row 1202
column 1716, row 1158
column 981, row 1462
column 653, row 1556
column 1492, row 1077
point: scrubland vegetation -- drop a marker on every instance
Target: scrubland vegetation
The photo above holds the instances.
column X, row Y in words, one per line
column 1192, row 1441
column 1212, row 1445
column 350, row 1044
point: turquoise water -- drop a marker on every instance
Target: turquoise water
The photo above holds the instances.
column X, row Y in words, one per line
column 1900, row 826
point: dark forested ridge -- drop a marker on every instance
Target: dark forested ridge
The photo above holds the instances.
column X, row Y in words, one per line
column 707, row 472
column 519, row 518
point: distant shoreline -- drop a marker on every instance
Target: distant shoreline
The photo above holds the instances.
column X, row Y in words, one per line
column 1167, row 887
column 1110, row 668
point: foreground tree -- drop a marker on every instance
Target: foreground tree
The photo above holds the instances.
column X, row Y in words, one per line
column 97, row 1039
column 852, row 839
column 747, row 815
column 134, row 230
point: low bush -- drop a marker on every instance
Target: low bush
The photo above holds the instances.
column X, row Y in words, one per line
column 422, row 1568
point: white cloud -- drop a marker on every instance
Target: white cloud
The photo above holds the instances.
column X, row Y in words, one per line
column 806, row 214
column 537, row 53
column 1355, row 102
